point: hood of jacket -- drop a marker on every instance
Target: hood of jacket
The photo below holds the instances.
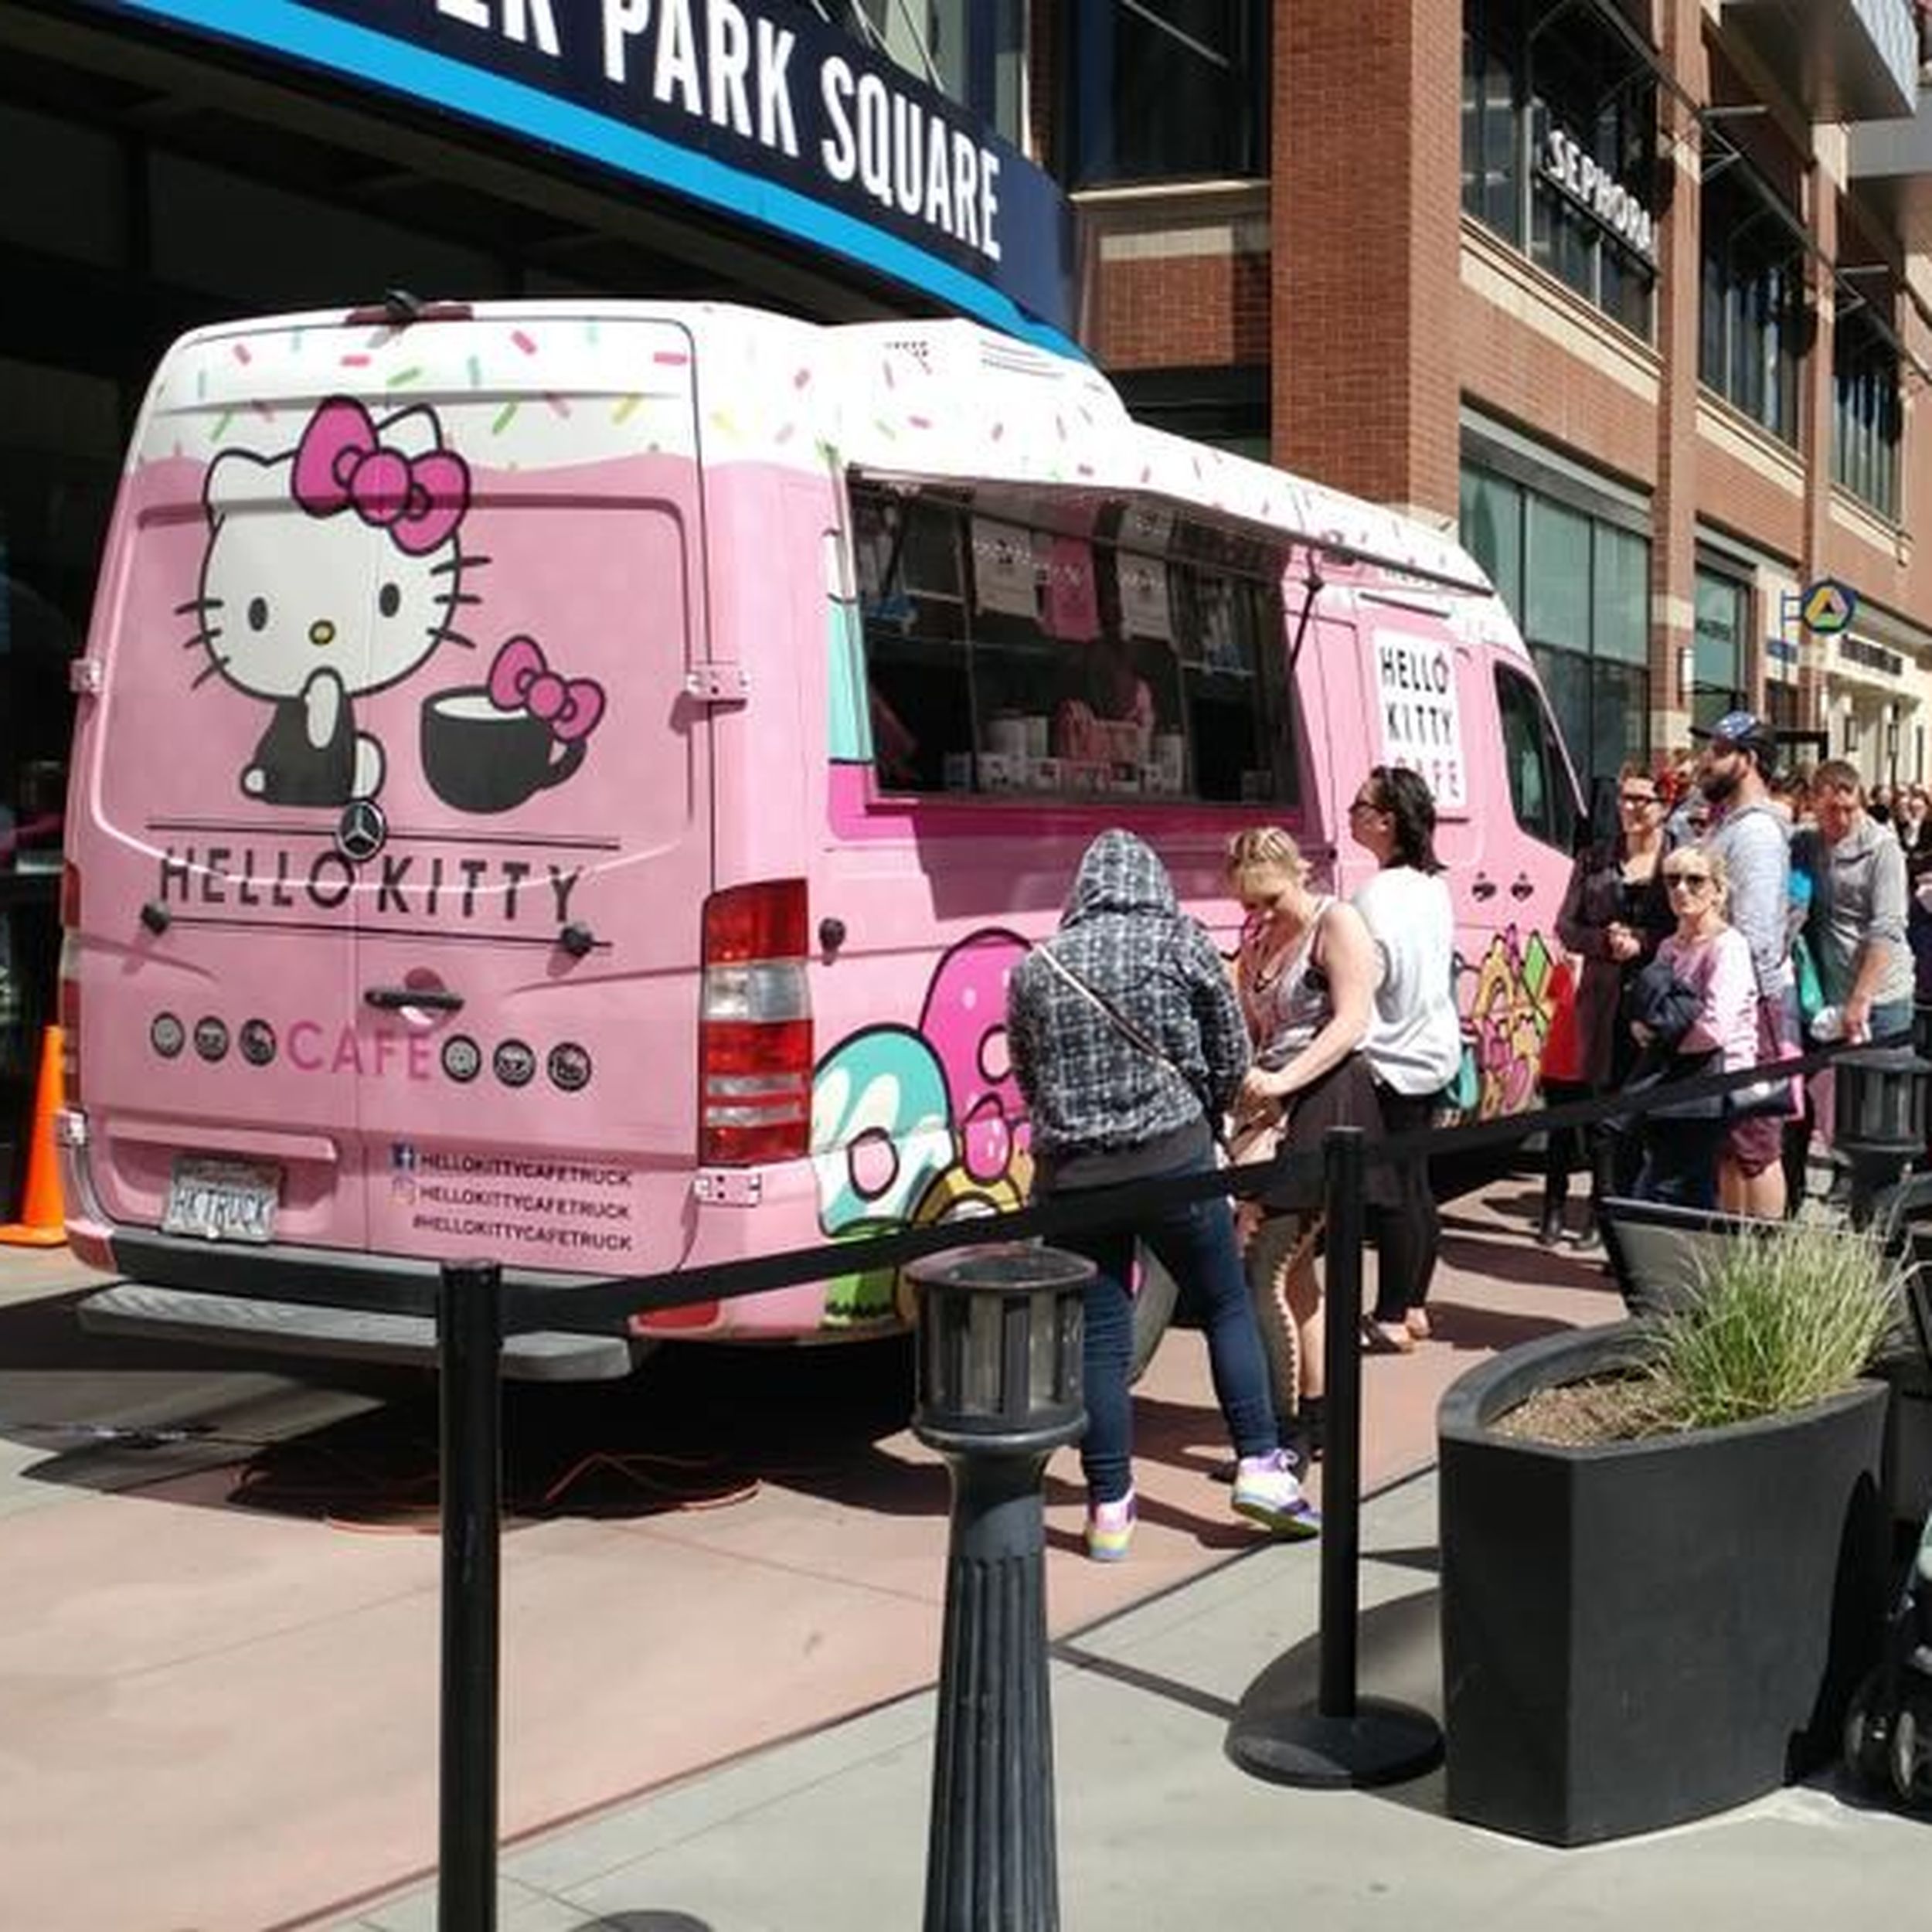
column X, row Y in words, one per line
column 1120, row 873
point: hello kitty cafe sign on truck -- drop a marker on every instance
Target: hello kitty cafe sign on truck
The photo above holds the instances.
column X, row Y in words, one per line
column 569, row 782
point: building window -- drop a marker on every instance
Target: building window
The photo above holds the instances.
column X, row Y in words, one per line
column 1752, row 310
column 1559, row 148
column 1165, row 91
column 1867, row 421
column 1723, row 606
column 973, row 51
column 1578, row 586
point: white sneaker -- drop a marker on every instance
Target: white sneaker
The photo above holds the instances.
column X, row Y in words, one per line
column 1266, row 1491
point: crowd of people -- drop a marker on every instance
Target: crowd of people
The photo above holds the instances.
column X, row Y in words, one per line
column 1737, row 911
column 1137, row 1049
column 1742, row 912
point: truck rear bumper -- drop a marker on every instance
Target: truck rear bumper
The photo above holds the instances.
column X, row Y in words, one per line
column 316, row 1301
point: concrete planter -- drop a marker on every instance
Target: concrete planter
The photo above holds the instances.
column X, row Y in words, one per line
column 1640, row 1633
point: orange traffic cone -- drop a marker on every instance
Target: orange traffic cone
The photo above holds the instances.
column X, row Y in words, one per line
column 42, row 1222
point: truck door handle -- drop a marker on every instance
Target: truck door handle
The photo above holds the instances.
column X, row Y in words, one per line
column 1484, row 888
column 392, row 999
column 1524, row 887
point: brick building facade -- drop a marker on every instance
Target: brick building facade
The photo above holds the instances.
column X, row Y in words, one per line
column 1634, row 291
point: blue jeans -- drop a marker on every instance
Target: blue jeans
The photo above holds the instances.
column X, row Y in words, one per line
column 1196, row 1244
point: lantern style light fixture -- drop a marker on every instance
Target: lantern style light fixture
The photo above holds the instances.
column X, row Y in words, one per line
column 1882, row 1104
column 999, row 1389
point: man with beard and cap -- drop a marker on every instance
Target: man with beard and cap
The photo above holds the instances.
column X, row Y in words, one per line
column 1753, row 838
column 1128, row 1042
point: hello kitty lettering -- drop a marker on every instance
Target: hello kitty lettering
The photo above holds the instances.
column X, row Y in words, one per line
column 348, row 597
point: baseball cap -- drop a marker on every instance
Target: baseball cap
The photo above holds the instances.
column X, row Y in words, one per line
column 1746, row 731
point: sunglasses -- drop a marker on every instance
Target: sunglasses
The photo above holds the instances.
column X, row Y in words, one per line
column 1363, row 804
column 1687, row 879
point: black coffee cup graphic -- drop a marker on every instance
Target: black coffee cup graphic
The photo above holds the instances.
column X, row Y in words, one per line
column 479, row 757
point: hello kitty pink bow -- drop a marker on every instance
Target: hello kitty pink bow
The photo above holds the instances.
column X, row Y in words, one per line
column 520, row 680
column 341, row 463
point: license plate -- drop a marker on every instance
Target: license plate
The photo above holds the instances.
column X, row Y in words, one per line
column 222, row 1200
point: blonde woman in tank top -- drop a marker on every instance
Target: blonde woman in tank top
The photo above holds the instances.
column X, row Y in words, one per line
column 1305, row 977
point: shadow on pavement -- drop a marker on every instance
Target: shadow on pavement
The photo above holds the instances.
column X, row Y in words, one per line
column 696, row 1426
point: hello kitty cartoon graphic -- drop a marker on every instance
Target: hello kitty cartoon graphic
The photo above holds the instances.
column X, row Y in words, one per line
column 332, row 571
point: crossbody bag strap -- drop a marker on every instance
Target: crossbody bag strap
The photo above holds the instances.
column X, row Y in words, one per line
column 1128, row 1031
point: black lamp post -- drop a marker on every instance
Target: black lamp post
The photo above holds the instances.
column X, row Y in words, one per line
column 1880, row 1100
column 999, row 1390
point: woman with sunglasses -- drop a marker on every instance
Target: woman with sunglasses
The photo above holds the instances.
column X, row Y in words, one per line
column 1611, row 919
column 1705, row 967
column 1414, row 1046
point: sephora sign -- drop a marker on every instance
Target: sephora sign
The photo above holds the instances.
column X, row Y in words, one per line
column 1582, row 179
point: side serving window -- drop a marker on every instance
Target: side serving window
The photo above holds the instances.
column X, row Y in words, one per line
column 1540, row 793
column 1003, row 657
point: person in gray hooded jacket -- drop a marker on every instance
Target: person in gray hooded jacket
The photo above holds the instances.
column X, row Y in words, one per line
column 1128, row 1045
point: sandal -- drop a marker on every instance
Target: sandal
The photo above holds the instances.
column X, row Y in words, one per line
column 1387, row 1338
column 1416, row 1322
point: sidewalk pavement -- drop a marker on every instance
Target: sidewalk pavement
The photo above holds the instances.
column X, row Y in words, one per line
column 1156, row 1825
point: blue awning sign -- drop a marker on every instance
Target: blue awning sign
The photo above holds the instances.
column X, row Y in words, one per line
column 759, row 110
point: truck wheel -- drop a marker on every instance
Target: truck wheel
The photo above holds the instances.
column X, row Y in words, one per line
column 1154, row 1302
column 1867, row 1734
column 1911, row 1748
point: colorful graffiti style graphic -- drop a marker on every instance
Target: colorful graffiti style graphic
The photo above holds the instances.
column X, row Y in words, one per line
column 912, row 1126
column 1508, row 1018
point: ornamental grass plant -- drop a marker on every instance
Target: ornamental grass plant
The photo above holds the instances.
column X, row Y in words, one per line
column 1780, row 1321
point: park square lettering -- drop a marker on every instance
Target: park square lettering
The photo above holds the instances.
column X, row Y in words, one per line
column 730, row 68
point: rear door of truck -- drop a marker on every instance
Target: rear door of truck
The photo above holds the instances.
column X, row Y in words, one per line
column 415, row 973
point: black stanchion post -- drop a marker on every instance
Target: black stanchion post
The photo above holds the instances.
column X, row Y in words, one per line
column 999, row 1390
column 470, row 1341
column 1342, row 1738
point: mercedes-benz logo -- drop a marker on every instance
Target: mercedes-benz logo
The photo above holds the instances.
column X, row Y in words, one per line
column 362, row 831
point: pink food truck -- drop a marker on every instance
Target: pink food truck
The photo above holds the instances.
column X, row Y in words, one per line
column 568, row 783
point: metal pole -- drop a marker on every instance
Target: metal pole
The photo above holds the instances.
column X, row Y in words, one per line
column 1341, row 1152
column 469, row 1323
column 1340, row 1739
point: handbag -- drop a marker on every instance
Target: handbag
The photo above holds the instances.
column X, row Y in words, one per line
column 1772, row 1097
column 1811, row 988
column 1562, row 1054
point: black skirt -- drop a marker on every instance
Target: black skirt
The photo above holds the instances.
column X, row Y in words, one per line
column 1344, row 1096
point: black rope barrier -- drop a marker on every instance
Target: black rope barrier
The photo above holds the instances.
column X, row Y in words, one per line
column 1342, row 1739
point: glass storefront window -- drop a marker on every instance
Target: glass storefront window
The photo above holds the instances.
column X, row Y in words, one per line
column 1492, row 530
column 1578, row 587
column 1556, row 575
column 1718, row 650
column 1165, row 89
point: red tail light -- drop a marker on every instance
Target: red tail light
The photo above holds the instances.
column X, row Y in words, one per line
column 67, row 999
column 754, row 1028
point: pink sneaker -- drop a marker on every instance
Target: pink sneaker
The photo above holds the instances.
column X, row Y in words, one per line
column 1110, row 1528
